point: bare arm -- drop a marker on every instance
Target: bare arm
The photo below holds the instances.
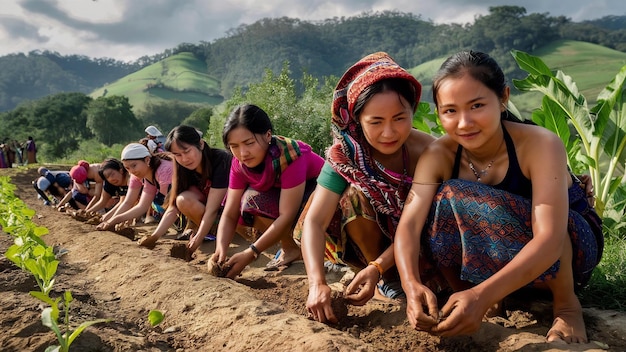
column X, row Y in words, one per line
column 100, row 203
column 320, row 213
column 211, row 209
column 97, row 196
column 228, row 224
column 289, row 205
column 128, row 201
column 139, row 209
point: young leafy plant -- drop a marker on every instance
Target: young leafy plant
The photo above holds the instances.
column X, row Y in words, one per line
column 155, row 317
column 600, row 137
column 31, row 253
column 50, row 316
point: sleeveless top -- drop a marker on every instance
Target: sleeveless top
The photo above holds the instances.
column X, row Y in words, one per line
column 514, row 182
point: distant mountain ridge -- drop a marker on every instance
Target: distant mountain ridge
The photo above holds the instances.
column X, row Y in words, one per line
column 322, row 48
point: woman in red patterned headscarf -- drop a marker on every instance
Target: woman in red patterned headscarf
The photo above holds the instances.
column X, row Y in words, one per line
column 361, row 190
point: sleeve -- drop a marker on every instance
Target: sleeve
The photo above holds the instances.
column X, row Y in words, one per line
column 295, row 173
column 237, row 179
column 221, row 169
column 331, row 180
column 164, row 176
column 134, row 182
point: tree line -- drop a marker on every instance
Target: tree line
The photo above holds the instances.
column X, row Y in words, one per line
column 60, row 122
column 319, row 48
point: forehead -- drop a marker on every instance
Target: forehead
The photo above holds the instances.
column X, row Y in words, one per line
column 462, row 88
column 239, row 135
column 177, row 146
column 110, row 171
column 132, row 162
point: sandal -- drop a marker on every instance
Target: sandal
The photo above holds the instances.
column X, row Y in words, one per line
column 278, row 264
column 185, row 235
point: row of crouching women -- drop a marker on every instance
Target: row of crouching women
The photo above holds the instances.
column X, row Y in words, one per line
column 483, row 211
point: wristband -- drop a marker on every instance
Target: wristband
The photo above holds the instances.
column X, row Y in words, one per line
column 378, row 267
column 255, row 250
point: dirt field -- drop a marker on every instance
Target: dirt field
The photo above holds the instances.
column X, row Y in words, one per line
column 110, row 276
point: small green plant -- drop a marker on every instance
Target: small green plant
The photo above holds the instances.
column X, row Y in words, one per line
column 31, row 254
column 29, row 251
column 155, row 317
column 600, row 137
column 50, row 316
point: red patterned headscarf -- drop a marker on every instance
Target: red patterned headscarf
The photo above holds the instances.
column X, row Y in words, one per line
column 350, row 155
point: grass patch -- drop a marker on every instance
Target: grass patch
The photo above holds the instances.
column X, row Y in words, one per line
column 606, row 287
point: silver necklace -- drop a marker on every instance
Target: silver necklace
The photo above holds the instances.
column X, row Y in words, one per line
column 479, row 174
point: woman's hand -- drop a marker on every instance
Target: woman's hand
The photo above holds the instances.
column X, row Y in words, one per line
column 238, row 262
column 219, row 256
column 588, row 187
column 103, row 226
column 194, row 242
column 419, row 296
column 363, row 286
column 462, row 314
column 318, row 303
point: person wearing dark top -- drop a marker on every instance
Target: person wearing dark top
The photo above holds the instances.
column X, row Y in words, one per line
column 495, row 207
column 199, row 185
column 115, row 187
column 56, row 183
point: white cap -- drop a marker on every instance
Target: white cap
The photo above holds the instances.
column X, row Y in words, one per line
column 135, row 151
column 153, row 131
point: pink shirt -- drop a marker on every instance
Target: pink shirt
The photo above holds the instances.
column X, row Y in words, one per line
column 163, row 177
column 306, row 167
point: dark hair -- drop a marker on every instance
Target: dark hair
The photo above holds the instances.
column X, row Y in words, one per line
column 144, row 141
column 403, row 87
column 184, row 178
column 479, row 66
column 111, row 163
column 249, row 116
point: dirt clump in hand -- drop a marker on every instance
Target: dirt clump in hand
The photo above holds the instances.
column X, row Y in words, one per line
column 80, row 215
column 180, row 250
column 218, row 269
column 339, row 304
column 94, row 220
column 125, row 230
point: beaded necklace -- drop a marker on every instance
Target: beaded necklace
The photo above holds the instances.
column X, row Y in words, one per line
column 479, row 174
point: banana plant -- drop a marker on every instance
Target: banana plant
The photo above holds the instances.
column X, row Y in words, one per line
column 600, row 139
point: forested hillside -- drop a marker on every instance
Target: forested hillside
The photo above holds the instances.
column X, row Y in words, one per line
column 38, row 74
column 320, row 48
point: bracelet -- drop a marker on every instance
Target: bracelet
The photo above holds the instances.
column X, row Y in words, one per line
column 255, row 250
column 378, row 267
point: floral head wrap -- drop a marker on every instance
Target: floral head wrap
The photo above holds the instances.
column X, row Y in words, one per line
column 350, row 155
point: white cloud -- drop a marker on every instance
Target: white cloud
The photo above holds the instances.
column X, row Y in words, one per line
column 126, row 30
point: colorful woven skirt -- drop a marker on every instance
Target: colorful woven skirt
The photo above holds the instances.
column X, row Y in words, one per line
column 352, row 204
column 266, row 204
column 479, row 229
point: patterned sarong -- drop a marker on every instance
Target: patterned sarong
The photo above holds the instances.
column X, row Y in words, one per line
column 352, row 204
column 479, row 229
column 266, row 204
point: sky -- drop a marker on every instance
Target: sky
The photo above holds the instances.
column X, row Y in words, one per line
column 128, row 29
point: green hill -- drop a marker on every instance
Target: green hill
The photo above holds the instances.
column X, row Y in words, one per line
column 179, row 77
column 591, row 66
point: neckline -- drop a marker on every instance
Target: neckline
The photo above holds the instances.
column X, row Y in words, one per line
column 398, row 177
